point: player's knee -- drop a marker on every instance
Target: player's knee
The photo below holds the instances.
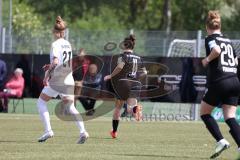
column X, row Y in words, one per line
column 229, row 111
column 40, row 102
column 205, row 109
column 229, row 115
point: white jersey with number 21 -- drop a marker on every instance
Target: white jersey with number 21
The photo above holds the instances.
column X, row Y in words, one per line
column 62, row 50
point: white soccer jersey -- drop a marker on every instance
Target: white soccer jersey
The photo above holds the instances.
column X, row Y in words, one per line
column 62, row 50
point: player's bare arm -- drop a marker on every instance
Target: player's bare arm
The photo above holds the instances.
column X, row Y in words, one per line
column 50, row 71
column 117, row 70
column 214, row 54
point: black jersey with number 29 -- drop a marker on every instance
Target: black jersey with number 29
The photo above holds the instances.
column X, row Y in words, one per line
column 224, row 66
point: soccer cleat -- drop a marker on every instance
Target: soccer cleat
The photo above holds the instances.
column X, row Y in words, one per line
column 137, row 112
column 113, row 134
column 83, row 137
column 45, row 136
column 221, row 146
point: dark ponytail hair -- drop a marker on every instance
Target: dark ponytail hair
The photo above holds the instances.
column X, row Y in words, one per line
column 129, row 42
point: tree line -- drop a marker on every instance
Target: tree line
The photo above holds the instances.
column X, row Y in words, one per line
column 35, row 18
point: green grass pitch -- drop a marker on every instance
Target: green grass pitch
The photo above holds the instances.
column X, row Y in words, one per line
column 136, row 140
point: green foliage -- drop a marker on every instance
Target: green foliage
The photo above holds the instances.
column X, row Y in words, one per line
column 190, row 15
column 104, row 20
column 125, row 14
column 28, row 28
column 25, row 20
column 93, row 23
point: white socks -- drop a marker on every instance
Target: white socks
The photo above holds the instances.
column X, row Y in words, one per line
column 79, row 121
column 44, row 114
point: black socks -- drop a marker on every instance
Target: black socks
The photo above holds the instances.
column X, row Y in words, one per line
column 234, row 129
column 115, row 125
column 212, row 126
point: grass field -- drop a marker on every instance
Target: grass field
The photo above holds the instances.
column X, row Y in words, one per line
column 142, row 141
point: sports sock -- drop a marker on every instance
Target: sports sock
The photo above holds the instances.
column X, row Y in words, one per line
column 44, row 114
column 212, row 126
column 115, row 125
column 234, row 129
column 78, row 118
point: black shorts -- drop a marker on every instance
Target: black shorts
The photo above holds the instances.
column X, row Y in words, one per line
column 224, row 92
column 126, row 88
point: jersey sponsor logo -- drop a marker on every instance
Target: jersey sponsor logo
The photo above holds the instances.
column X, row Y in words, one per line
column 229, row 69
column 223, row 39
column 133, row 56
column 66, row 46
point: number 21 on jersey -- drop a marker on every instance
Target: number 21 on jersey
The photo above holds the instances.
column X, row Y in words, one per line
column 67, row 58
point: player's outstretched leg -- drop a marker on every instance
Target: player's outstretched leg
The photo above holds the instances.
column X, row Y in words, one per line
column 229, row 116
column 69, row 101
column 213, row 128
column 44, row 114
column 116, row 117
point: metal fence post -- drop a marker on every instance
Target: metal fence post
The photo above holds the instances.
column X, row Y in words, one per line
column 10, row 28
column 67, row 34
column 3, row 37
column 195, row 113
column 199, row 40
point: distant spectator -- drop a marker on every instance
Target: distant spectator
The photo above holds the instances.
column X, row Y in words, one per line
column 3, row 73
column 24, row 64
column 13, row 88
column 80, row 67
column 92, row 79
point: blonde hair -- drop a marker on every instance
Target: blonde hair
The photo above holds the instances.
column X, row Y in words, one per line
column 59, row 26
column 213, row 20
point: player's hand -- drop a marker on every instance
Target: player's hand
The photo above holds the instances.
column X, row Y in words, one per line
column 107, row 77
column 46, row 67
column 205, row 62
column 45, row 82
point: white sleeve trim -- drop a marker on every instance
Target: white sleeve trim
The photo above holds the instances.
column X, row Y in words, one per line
column 212, row 44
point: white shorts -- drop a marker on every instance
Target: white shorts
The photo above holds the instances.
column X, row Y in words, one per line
column 52, row 93
column 61, row 83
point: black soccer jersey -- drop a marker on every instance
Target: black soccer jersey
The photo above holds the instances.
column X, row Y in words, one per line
column 223, row 66
column 132, row 67
column 126, row 83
